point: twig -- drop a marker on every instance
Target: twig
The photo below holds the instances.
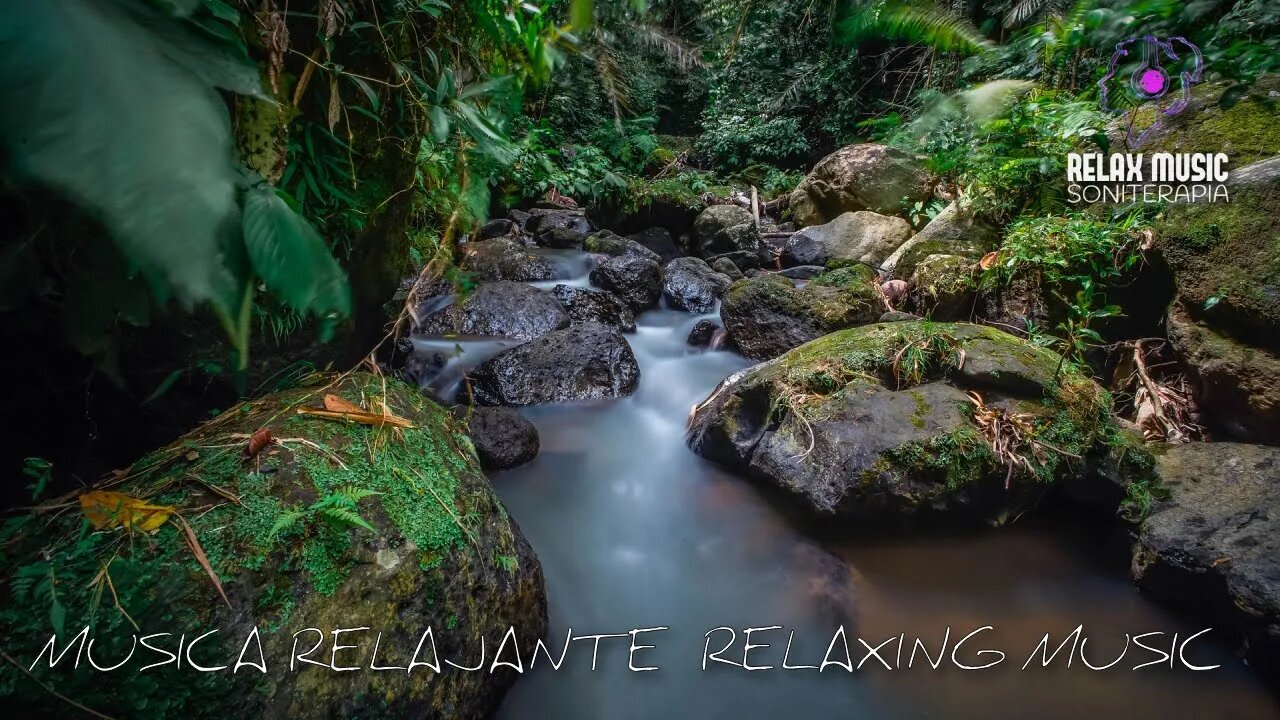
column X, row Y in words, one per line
column 198, row 551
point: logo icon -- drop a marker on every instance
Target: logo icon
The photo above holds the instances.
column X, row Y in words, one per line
column 1159, row 72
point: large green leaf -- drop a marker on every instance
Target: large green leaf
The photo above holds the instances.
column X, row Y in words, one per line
column 102, row 105
column 290, row 256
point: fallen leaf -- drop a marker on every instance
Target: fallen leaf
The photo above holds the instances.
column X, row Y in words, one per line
column 333, row 403
column 107, row 509
column 989, row 260
column 201, row 558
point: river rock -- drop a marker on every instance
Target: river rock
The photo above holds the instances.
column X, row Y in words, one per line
column 723, row 229
column 560, row 238
column 606, row 242
column 954, row 231
column 500, row 228
column 802, row 272
column 502, row 309
column 584, row 362
column 865, row 176
column 1212, row 549
column 421, row 541
column 863, row 236
column 598, row 306
column 726, row 267
column 842, row 429
column 505, row 259
column 702, row 333
column 636, row 280
column 744, row 259
column 545, row 219
column 659, row 240
column 768, row 315
column 503, row 437
column 690, row 284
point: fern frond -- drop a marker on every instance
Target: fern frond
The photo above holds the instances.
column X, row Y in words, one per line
column 286, row 520
column 344, row 517
column 684, row 55
column 896, row 20
column 355, row 494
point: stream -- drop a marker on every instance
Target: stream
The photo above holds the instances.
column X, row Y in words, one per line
column 635, row 531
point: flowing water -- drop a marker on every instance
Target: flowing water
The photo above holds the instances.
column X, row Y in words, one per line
column 635, row 531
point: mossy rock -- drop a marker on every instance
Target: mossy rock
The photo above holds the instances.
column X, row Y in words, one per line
column 1246, row 131
column 1225, row 259
column 768, row 314
column 291, row 553
column 871, row 427
column 943, row 287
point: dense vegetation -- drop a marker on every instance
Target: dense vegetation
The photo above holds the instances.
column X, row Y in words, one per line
column 199, row 188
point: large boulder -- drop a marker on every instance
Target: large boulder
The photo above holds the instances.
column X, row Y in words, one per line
column 503, row 437
column 598, row 306
column 1225, row 261
column 956, row 230
column 505, row 259
column 334, row 525
column 607, row 242
column 866, row 176
column 584, row 362
column 943, row 287
column 500, row 309
column 1212, row 549
column 543, row 220
column 637, row 280
column 768, row 315
column 690, row 284
column 870, row 426
column 560, row 238
column 863, row 236
column 659, row 240
column 722, row 229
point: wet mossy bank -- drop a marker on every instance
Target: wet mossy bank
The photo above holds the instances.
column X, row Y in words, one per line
column 333, row 525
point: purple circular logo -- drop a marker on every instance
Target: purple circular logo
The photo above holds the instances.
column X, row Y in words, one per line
column 1149, row 81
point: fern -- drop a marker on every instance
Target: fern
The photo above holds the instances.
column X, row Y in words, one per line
column 344, row 517
column 897, row 20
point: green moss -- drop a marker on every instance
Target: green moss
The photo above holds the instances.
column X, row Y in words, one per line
column 922, row 409
column 957, row 458
column 1246, row 131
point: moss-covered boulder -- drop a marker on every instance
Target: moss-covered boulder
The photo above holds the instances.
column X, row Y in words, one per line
column 859, row 236
column 768, row 315
column 1225, row 261
column 943, row 287
column 1211, row 548
column 1247, row 131
column 865, row 176
column 957, row 230
column 334, row 525
column 724, row 229
column 872, row 426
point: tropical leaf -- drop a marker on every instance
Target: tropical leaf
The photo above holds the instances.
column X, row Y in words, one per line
column 896, row 20
column 163, row 182
column 290, row 256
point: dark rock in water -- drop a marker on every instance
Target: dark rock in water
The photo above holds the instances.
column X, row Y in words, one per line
column 560, row 238
column 744, row 259
column 768, row 315
column 613, row 245
column 598, row 306
column 519, row 217
column 503, row 259
column 866, row 176
column 897, row 316
column 841, row 427
column 690, row 284
column 659, row 240
column 503, row 437
column 498, row 229
column 702, row 333
column 543, row 220
column 634, row 279
column 862, row 236
column 501, row 308
column 439, row 551
column 1212, row 549
column 584, row 362
column 726, row 266
column 724, row 229
column 801, row 272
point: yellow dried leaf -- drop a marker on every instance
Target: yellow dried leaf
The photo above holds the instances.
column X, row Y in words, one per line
column 107, row 509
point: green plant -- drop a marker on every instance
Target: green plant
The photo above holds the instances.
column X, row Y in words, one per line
column 339, row 508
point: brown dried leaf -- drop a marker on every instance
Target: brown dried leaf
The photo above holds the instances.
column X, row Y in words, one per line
column 201, row 558
column 106, row 509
